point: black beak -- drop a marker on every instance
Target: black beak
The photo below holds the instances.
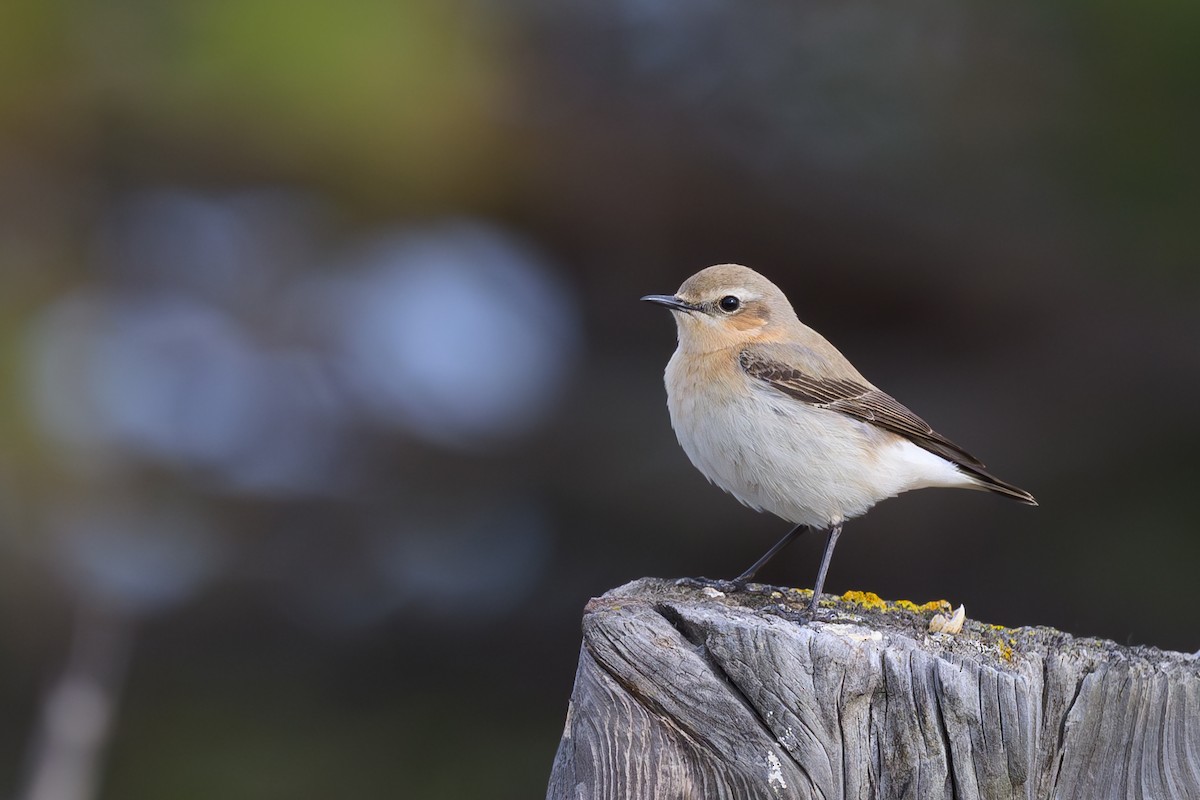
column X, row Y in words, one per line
column 670, row 301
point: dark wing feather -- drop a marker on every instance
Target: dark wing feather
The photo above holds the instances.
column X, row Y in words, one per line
column 855, row 399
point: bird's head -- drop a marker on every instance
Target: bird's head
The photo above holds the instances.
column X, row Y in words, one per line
column 726, row 306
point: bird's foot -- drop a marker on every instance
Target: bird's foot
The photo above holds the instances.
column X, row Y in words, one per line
column 804, row 611
column 802, row 616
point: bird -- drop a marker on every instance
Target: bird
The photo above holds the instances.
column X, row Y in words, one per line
column 771, row 412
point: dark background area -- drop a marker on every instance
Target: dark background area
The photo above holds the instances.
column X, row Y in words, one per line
column 326, row 401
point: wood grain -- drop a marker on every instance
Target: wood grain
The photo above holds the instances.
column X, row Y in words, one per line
column 689, row 693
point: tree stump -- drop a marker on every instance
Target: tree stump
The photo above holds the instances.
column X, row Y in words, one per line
column 686, row 692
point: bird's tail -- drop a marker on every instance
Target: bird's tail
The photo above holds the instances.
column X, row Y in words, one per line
column 988, row 482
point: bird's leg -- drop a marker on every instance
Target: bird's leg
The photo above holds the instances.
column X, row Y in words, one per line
column 744, row 578
column 830, row 543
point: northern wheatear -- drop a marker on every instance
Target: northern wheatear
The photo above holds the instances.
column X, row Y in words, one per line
column 772, row 413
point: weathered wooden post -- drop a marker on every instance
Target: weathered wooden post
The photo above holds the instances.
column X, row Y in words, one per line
column 690, row 693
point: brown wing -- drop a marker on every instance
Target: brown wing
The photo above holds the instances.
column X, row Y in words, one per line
column 855, row 399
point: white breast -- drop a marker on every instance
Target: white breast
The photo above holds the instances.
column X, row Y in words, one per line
column 807, row 465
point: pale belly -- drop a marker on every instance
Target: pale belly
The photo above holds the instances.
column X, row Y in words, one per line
column 806, row 465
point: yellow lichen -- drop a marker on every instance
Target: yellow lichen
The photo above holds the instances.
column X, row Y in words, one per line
column 932, row 605
column 865, row 599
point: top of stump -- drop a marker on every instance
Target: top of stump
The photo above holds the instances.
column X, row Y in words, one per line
column 864, row 614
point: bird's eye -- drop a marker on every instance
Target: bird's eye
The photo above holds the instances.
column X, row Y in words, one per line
column 729, row 304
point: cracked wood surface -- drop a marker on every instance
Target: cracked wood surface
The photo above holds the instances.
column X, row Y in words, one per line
column 687, row 693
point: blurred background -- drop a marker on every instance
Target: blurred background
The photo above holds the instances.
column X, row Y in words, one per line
column 328, row 401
